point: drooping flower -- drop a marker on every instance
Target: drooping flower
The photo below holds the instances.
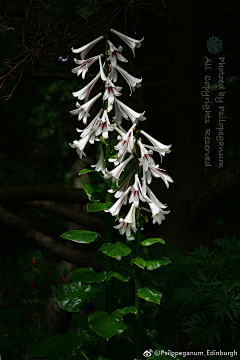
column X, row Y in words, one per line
column 103, row 76
column 124, row 185
column 116, row 173
column 115, row 209
column 132, row 81
column 126, row 112
column 85, row 92
column 82, row 110
column 92, row 124
column 80, row 144
column 132, row 43
column 85, row 49
column 159, row 147
column 113, row 74
column 110, row 91
column 156, row 207
column 100, row 165
column 115, row 54
column 156, row 172
column 126, row 141
column 145, row 158
column 129, row 223
column 103, row 126
column 84, row 65
column 136, row 193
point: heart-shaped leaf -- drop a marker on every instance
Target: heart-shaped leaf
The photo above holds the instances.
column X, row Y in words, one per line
column 93, row 192
column 154, row 264
column 95, row 207
column 116, row 250
column 107, row 325
column 152, row 241
column 150, row 295
column 120, row 275
column 139, row 262
column 73, row 296
column 80, row 236
column 88, row 275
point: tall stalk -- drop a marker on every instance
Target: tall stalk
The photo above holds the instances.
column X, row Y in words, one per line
column 137, row 325
column 109, row 289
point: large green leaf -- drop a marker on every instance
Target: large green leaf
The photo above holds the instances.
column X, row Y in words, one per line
column 93, row 192
column 87, row 171
column 120, row 275
column 154, row 264
column 80, row 236
column 63, row 343
column 139, row 262
column 116, row 250
column 107, row 325
column 73, row 296
column 88, row 275
column 95, row 207
column 150, row 295
column 151, row 241
column 128, row 309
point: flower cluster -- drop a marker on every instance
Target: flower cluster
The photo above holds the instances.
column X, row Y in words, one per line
column 130, row 148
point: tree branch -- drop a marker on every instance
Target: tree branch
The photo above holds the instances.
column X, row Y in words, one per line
column 43, row 192
column 218, row 188
column 87, row 221
column 76, row 257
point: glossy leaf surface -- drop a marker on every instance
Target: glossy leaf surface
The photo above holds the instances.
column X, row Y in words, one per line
column 80, row 236
column 88, row 275
column 95, row 207
column 116, row 250
column 107, row 325
column 73, row 296
column 150, row 295
column 152, row 241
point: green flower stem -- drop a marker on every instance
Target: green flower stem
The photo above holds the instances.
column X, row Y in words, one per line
column 109, row 286
column 137, row 327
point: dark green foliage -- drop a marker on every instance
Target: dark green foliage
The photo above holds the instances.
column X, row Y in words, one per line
column 25, row 285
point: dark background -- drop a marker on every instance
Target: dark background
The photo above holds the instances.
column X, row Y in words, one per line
column 38, row 169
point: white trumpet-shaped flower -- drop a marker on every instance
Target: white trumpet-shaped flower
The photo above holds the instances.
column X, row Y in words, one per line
column 84, row 65
column 115, row 209
column 132, row 43
column 136, row 193
column 103, row 126
column 92, row 124
column 85, row 92
column 145, row 158
column 122, row 110
column 159, row 147
column 103, row 76
column 110, row 91
column 82, row 110
column 126, row 144
column 80, row 144
column 85, row 49
column 122, row 188
column 132, row 81
column 128, row 224
column 100, row 165
column 156, row 208
column 115, row 54
column 153, row 170
column 113, row 74
column 116, row 173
